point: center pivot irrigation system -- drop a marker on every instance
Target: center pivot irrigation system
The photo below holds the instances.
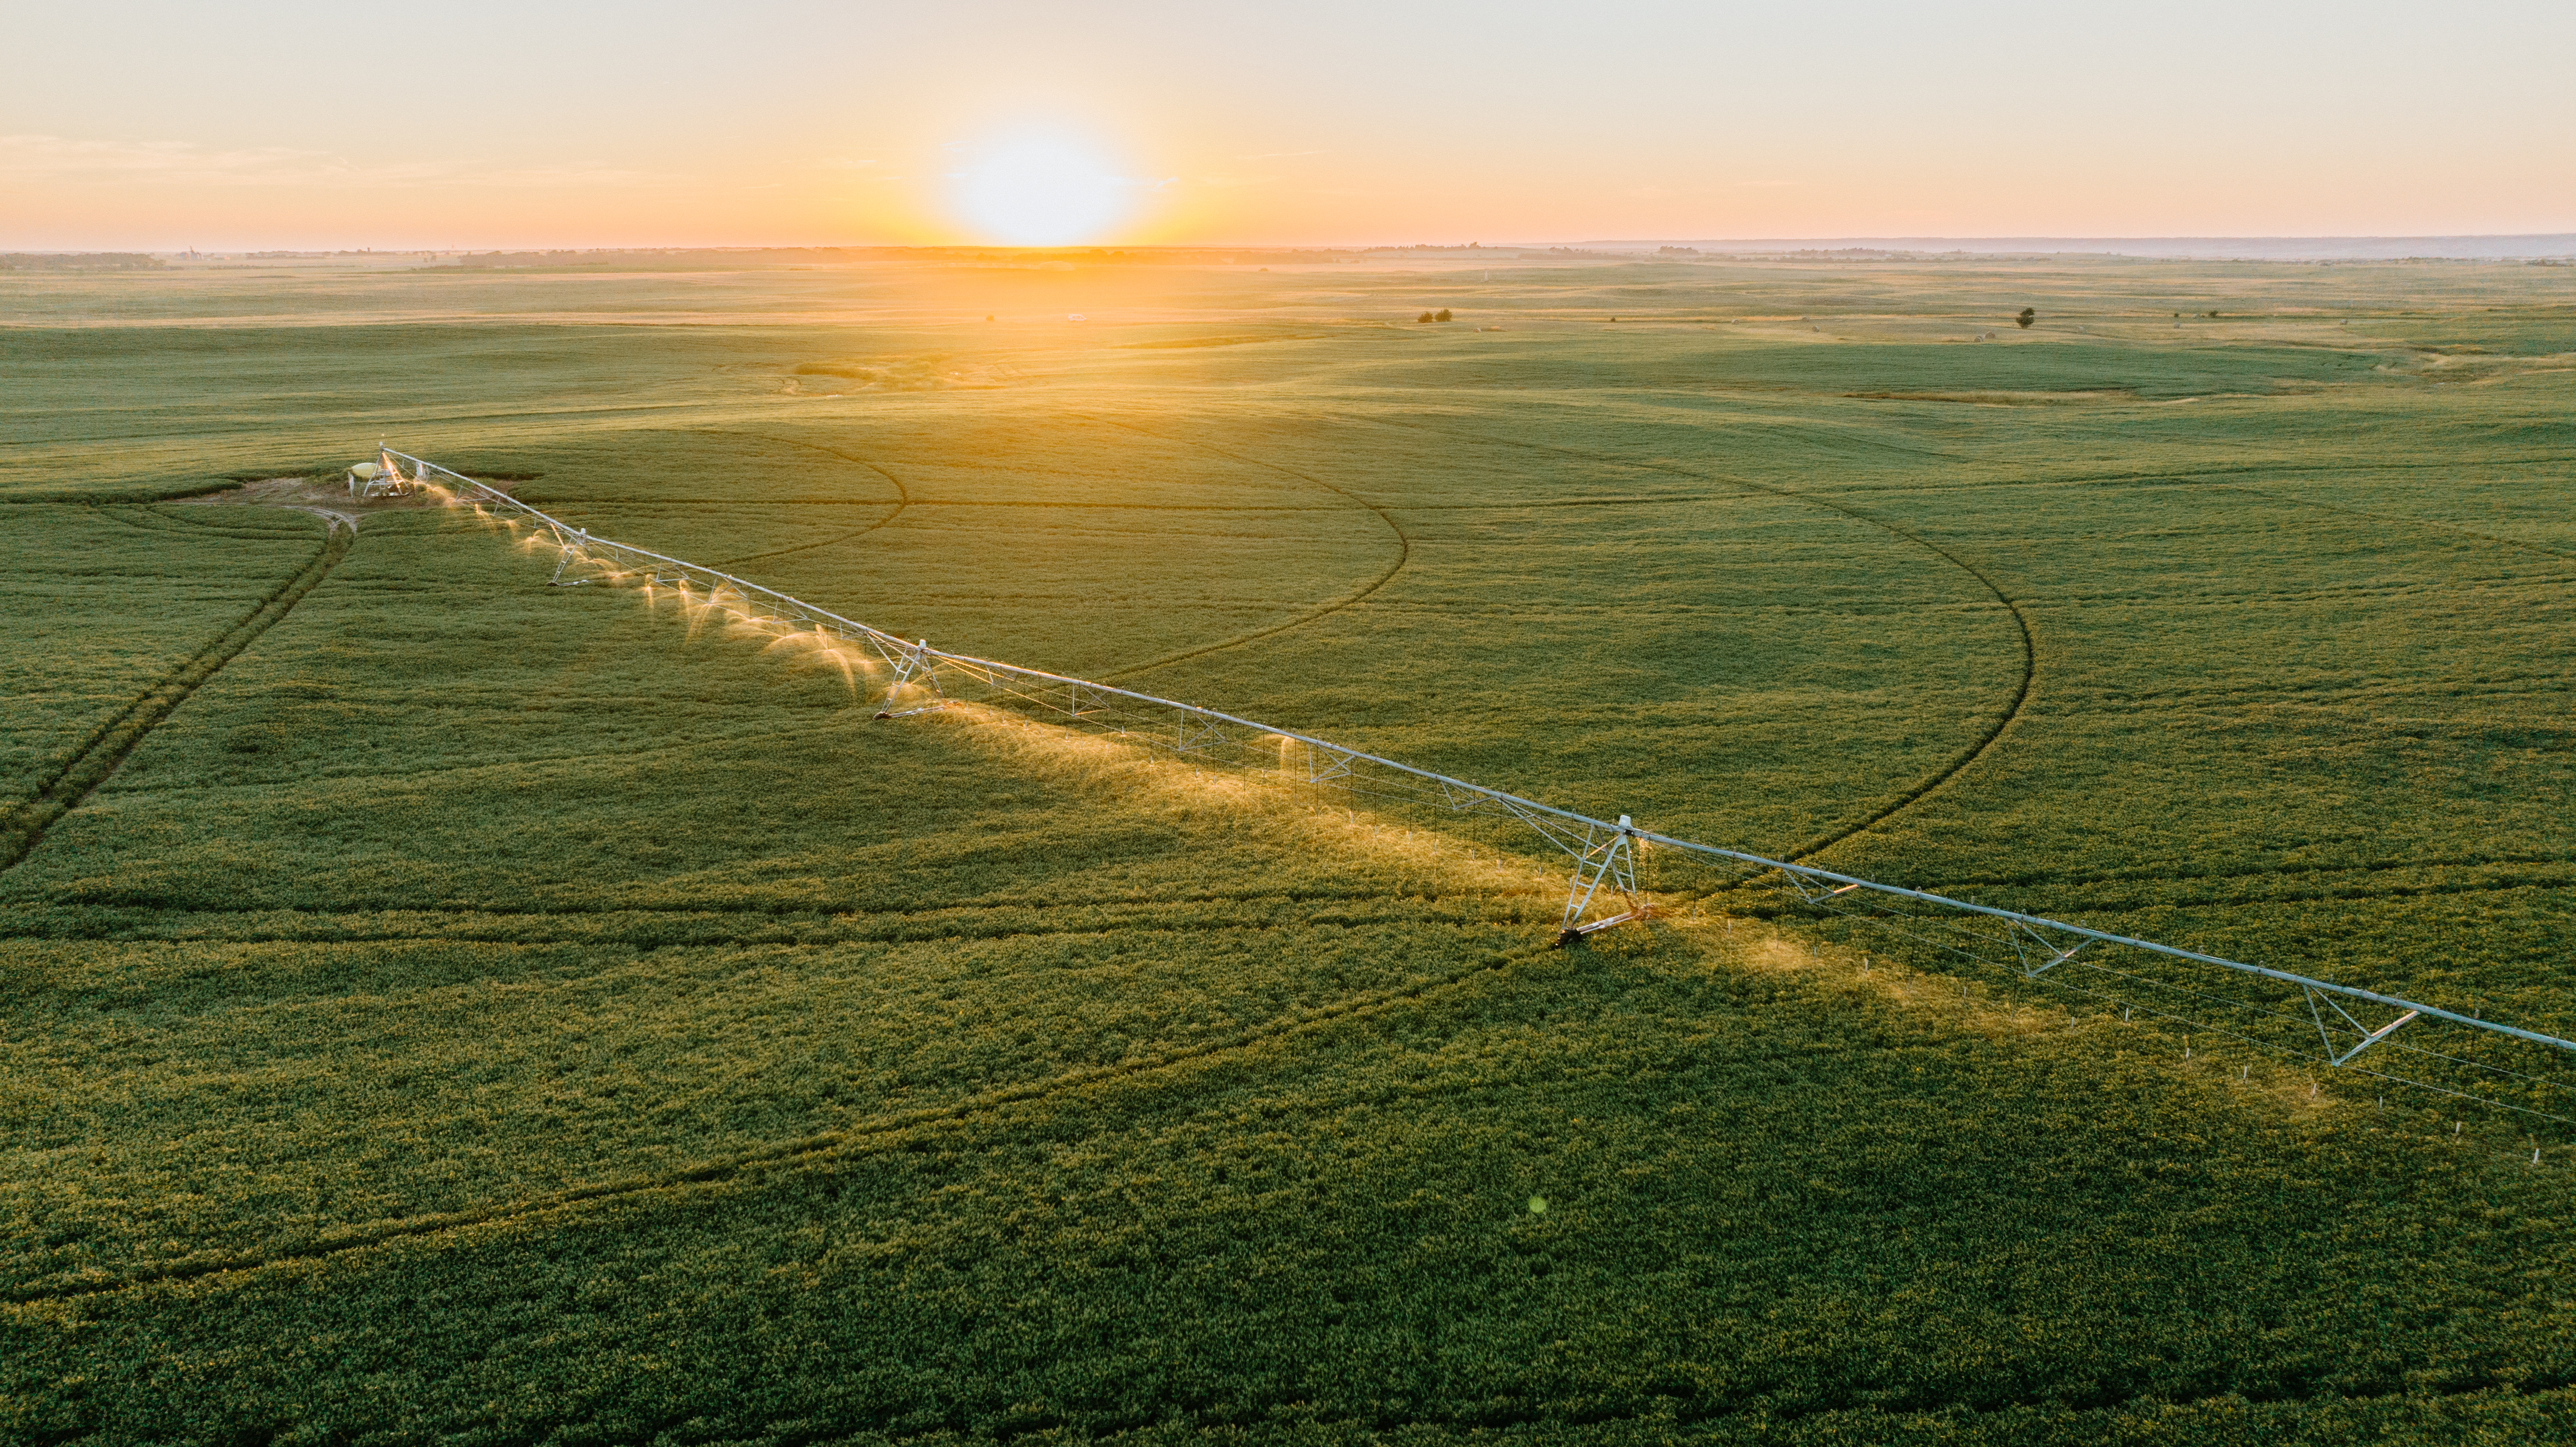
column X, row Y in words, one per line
column 2290, row 1014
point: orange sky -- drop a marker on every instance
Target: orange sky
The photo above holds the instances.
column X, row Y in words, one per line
column 475, row 124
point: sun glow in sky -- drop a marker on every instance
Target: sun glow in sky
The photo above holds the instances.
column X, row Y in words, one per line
column 305, row 124
column 1039, row 186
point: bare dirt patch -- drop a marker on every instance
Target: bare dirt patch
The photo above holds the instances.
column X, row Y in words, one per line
column 328, row 498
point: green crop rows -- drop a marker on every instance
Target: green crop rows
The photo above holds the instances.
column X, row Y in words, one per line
column 441, row 1007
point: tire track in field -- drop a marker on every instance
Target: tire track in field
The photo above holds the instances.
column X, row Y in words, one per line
column 903, row 495
column 891, row 928
column 513, row 764
column 1123, row 929
column 2206, row 477
column 1915, row 1416
column 134, row 517
column 804, row 1150
column 825, row 543
column 1403, row 544
column 90, row 764
column 2109, row 1409
column 815, row 916
column 2323, row 894
column 2021, row 622
column 1918, row 1416
column 1994, row 733
column 1059, row 505
column 2277, row 871
column 2466, row 532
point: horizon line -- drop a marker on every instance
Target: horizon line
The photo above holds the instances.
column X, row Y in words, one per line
column 2480, row 245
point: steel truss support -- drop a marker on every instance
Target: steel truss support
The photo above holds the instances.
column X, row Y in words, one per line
column 2369, row 1037
column 2038, row 952
column 1194, row 735
column 1325, row 763
column 1608, row 859
column 912, row 663
column 575, row 545
column 1813, row 891
column 1458, row 799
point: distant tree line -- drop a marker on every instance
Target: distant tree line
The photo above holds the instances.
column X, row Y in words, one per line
column 77, row 261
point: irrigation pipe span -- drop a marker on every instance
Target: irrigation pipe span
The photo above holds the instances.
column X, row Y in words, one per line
column 1604, row 853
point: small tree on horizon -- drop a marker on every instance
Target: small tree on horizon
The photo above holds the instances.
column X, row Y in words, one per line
column 1426, row 316
column 2027, row 317
column 1442, row 316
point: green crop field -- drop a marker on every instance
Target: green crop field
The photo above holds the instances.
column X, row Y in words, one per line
column 440, row 1007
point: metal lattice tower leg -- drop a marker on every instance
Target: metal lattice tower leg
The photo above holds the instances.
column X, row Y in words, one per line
column 912, row 662
column 1610, row 860
column 2336, row 1054
column 572, row 548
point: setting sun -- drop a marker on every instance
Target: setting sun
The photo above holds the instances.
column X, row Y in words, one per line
column 1040, row 188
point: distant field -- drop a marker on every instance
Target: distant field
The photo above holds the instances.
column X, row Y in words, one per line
column 444, row 1006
